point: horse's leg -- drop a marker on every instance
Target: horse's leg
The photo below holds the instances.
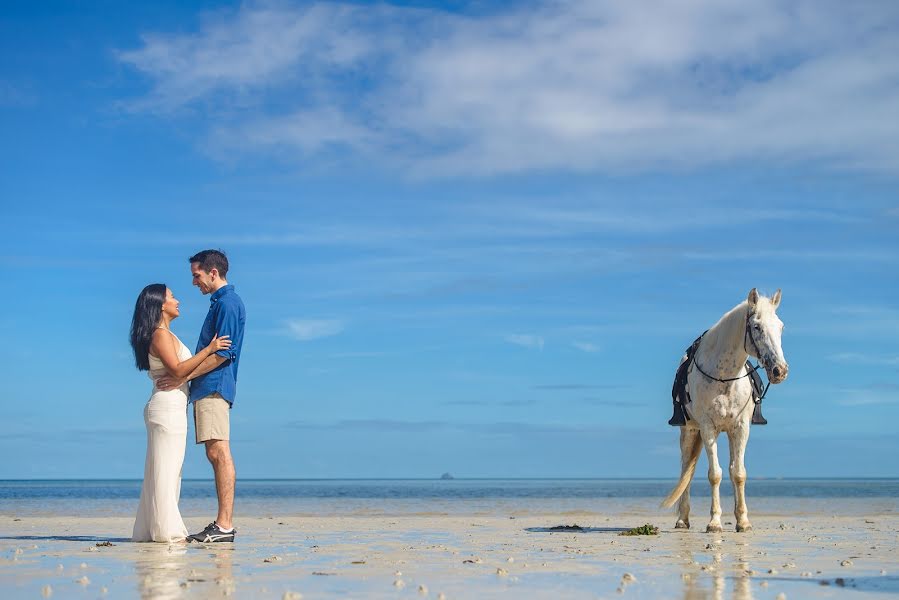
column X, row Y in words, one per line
column 737, row 439
column 689, row 438
column 710, row 439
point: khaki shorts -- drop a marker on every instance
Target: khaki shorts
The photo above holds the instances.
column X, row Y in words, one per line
column 212, row 419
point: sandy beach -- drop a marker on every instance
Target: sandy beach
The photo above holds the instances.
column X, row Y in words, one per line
column 502, row 553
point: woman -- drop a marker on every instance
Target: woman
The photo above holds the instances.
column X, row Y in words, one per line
column 159, row 351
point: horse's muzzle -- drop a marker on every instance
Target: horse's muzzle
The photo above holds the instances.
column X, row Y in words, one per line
column 778, row 373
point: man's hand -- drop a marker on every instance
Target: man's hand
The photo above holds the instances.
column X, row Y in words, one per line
column 167, row 383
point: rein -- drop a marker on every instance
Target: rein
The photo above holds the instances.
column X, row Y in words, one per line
column 746, row 332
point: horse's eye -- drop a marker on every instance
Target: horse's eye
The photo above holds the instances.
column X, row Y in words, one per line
column 757, row 327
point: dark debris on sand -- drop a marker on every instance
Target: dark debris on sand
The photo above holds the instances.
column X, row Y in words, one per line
column 566, row 528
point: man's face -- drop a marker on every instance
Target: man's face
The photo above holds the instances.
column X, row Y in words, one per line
column 203, row 280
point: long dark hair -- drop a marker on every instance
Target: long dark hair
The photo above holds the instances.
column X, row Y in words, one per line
column 147, row 311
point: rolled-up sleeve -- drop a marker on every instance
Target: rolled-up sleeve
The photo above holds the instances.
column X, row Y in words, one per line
column 227, row 322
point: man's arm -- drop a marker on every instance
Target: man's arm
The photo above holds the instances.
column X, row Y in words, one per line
column 227, row 322
column 210, row 363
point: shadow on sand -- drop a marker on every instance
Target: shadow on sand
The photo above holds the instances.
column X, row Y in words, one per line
column 873, row 583
column 65, row 538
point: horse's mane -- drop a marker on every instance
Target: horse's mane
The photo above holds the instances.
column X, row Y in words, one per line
column 721, row 332
column 735, row 318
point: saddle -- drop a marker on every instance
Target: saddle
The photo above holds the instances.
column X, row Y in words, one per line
column 681, row 397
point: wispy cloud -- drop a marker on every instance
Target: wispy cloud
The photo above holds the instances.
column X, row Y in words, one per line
column 589, row 347
column 865, row 359
column 649, row 217
column 311, row 329
column 497, row 428
column 15, row 96
column 554, row 387
column 463, row 403
column 797, row 255
column 75, row 435
column 340, row 355
column 565, row 84
column 616, row 403
column 526, row 340
column 868, row 311
column 876, row 320
column 883, row 393
column 235, row 52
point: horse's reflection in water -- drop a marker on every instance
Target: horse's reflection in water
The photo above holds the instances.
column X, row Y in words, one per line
column 167, row 572
column 697, row 588
column 716, row 572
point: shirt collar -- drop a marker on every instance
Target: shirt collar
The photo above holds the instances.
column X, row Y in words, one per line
column 221, row 292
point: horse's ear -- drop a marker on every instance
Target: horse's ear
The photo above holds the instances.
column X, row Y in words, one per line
column 775, row 299
column 753, row 297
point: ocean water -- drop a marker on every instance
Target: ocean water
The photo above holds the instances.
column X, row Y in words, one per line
column 457, row 496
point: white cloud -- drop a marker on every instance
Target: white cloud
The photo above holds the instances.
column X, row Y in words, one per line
column 586, row 346
column 311, row 329
column 526, row 340
column 568, row 84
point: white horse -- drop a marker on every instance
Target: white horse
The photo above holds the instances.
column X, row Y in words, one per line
column 721, row 400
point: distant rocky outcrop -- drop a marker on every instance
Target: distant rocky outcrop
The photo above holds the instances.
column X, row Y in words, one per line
column 447, row 476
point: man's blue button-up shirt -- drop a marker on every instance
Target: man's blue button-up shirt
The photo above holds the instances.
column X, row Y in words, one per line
column 227, row 316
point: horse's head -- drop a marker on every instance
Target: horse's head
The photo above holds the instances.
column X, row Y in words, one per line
column 763, row 333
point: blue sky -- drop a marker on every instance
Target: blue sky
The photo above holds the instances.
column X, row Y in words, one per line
column 470, row 238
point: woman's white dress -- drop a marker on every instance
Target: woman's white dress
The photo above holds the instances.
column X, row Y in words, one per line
column 165, row 415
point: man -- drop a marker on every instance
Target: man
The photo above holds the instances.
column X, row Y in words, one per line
column 213, row 384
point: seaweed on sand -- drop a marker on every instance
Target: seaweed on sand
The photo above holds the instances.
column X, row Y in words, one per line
column 647, row 529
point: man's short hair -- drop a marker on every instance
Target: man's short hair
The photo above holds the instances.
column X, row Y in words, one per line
column 212, row 259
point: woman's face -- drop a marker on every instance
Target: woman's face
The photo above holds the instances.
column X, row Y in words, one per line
column 170, row 306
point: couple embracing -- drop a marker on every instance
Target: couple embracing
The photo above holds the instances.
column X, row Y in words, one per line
column 207, row 379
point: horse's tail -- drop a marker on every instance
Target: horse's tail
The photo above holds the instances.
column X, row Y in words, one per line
column 686, row 476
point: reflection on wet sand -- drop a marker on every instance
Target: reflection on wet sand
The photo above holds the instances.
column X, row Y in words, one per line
column 224, row 576
column 161, row 570
column 168, row 572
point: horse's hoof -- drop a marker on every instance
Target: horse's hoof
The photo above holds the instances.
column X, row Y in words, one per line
column 744, row 528
column 713, row 529
column 682, row 524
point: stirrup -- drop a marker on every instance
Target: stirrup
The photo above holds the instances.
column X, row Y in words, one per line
column 757, row 418
column 679, row 418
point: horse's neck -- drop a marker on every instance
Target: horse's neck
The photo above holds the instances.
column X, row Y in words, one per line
column 722, row 352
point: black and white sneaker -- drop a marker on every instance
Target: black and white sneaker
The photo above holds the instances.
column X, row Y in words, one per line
column 213, row 533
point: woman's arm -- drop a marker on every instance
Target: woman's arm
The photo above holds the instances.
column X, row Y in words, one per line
column 211, row 363
column 163, row 346
column 170, row 382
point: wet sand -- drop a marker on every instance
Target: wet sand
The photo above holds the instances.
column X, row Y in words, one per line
column 473, row 555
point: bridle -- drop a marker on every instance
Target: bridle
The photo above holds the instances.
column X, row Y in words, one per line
column 746, row 333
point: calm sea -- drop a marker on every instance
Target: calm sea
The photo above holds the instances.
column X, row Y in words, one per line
column 513, row 496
